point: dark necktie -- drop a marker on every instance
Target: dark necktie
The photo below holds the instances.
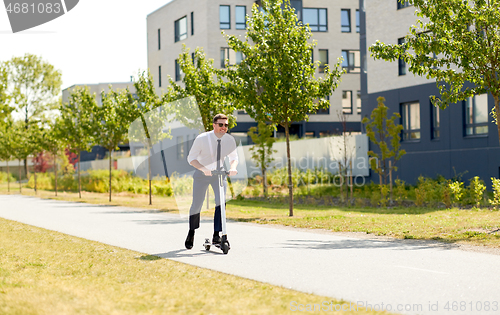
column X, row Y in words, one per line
column 218, row 154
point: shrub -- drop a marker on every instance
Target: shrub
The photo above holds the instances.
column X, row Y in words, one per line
column 44, row 181
column 401, row 192
column 384, row 194
column 4, row 176
column 446, row 194
column 477, row 189
column 496, row 193
column 457, row 189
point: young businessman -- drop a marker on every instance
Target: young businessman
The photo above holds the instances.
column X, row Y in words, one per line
column 203, row 156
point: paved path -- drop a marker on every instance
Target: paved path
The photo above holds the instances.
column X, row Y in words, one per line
column 408, row 275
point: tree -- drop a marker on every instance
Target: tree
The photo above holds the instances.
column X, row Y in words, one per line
column 115, row 114
column 384, row 133
column 205, row 83
column 263, row 149
column 276, row 82
column 455, row 42
column 151, row 121
column 33, row 85
column 78, row 123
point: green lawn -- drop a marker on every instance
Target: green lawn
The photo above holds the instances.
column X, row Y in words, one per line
column 45, row 272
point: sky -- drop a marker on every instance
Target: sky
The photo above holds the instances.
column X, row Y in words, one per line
column 96, row 42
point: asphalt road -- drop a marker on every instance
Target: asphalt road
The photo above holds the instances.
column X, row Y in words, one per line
column 402, row 276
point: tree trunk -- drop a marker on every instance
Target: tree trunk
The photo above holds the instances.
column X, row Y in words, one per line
column 264, row 182
column 8, row 176
column 149, row 173
column 26, row 167
column 110, row 161
column 290, row 183
column 79, row 178
column 34, row 174
column 20, row 187
column 55, row 172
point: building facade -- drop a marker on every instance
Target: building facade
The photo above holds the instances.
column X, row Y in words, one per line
column 198, row 23
column 460, row 140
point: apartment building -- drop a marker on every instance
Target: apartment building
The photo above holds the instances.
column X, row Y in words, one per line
column 198, row 23
column 458, row 140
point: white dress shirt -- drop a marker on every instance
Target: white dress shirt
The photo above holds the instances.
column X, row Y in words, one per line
column 204, row 149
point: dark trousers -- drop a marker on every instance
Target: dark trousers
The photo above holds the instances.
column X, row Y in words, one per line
column 200, row 185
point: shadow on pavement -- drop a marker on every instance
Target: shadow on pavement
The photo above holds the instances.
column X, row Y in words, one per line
column 367, row 244
column 181, row 253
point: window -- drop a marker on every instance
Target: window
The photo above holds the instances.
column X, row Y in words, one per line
column 357, row 21
column 159, row 41
column 316, row 18
column 180, row 29
column 192, row 58
column 234, row 57
column 435, row 122
column 476, row 115
column 241, row 17
column 358, row 102
column 180, row 148
column 351, row 61
column 309, row 134
column 224, row 17
column 297, row 5
column 410, row 114
column 178, row 70
column 159, row 76
column 345, row 20
column 192, row 23
column 323, row 58
column 347, row 102
column 403, row 4
column 401, row 62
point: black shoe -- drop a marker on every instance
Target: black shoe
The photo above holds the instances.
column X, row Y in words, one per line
column 216, row 238
column 189, row 239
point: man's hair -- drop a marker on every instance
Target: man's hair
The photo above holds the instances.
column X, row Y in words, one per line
column 219, row 116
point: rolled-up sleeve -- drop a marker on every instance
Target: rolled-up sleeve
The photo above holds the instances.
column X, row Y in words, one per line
column 195, row 150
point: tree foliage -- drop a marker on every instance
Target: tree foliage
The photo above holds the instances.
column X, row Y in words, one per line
column 455, row 42
column 5, row 108
column 204, row 82
column 276, row 82
column 33, row 86
column 78, row 123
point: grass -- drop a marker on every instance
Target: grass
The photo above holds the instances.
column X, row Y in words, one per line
column 473, row 227
column 46, row 272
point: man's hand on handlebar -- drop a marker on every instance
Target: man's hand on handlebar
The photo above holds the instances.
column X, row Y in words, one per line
column 233, row 172
column 207, row 172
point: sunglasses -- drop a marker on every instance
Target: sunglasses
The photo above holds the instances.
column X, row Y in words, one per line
column 222, row 125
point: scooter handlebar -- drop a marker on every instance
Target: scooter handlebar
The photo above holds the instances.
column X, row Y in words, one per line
column 215, row 172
